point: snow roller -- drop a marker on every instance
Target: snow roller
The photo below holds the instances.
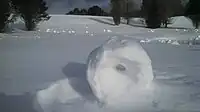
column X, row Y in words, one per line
column 119, row 68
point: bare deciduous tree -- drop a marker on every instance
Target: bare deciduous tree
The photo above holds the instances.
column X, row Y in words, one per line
column 156, row 12
column 117, row 9
column 151, row 14
column 168, row 9
column 130, row 8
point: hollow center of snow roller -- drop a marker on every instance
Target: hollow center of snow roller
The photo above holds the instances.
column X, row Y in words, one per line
column 120, row 68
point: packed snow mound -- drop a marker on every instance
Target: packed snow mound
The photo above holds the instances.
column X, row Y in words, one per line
column 181, row 22
column 59, row 92
column 118, row 70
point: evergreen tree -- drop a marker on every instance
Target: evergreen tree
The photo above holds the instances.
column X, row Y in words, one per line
column 4, row 14
column 150, row 10
column 32, row 12
column 76, row 11
column 129, row 8
column 193, row 12
column 95, row 11
column 84, row 12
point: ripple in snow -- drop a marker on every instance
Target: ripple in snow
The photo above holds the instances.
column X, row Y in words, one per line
column 73, row 31
column 175, row 43
column 54, row 31
column 48, row 30
column 109, row 31
column 151, row 31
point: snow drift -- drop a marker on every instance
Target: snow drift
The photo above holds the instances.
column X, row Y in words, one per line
column 118, row 71
column 31, row 61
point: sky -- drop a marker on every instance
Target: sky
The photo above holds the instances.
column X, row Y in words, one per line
column 63, row 6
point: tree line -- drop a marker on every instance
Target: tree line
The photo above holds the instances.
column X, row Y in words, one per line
column 31, row 12
column 156, row 12
column 93, row 11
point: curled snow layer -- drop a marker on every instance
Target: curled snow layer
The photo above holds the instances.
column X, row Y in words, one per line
column 118, row 70
column 59, row 92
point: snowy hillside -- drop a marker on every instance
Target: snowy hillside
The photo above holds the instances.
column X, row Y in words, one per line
column 45, row 70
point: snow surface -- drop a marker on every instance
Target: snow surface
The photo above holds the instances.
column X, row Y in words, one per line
column 45, row 70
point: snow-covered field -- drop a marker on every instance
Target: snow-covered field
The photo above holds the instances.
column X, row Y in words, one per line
column 45, row 70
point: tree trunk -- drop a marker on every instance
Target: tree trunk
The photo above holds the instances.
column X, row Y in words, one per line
column 166, row 23
column 128, row 21
column 197, row 25
column 30, row 24
column 116, row 20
